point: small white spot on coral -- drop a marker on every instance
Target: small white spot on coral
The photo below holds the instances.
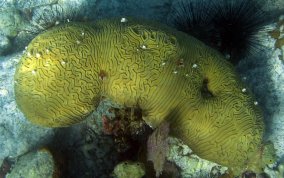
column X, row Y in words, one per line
column 78, row 42
column 244, row 78
column 175, row 71
column 123, row 20
column 47, row 64
column 163, row 63
column 57, row 22
column 29, row 54
column 244, row 90
column 37, row 55
column 143, row 47
column 82, row 33
column 187, row 75
column 33, row 72
column 255, row 103
column 63, row 62
column 194, row 66
column 47, row 51
column 68, row 20
column 26, row 47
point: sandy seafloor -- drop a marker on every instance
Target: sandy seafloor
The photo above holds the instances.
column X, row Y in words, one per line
column 21, row 20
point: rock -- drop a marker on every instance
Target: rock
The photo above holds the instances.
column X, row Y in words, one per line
column 274, row 5
column 190, row 164
column 26, row 4
column 147, row 9
column 11, row 22
column 81, row 152
column 264, row 73
column 34, row 165
column 5, row 44
column 129, row 169
column 22, row 39
column 277, row 172
column 52, row 13
column 21, row 20
column 16, row 135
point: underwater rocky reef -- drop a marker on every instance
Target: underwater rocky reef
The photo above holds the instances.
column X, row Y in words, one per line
column 111, row 89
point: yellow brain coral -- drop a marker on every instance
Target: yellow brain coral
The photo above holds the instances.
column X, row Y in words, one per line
column 170, row 75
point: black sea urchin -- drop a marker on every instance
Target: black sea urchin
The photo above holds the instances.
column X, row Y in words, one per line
column 192, row 17
column 231, row 26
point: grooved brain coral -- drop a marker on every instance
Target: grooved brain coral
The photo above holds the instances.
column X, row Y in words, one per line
column 169, row 74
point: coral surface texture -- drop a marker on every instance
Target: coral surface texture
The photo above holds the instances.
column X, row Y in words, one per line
column 66, row 70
